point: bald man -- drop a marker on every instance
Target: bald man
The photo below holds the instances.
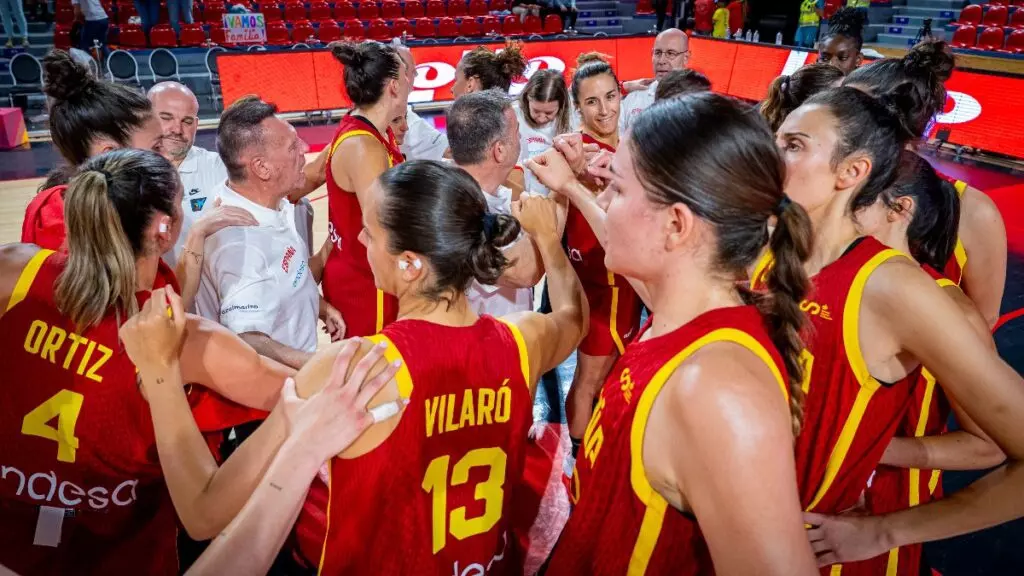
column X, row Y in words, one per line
column 671, row 51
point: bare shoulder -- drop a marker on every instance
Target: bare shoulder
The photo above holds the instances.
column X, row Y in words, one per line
column 970, row 310
column 980, row 218
column 13, row 258
column 894, row 282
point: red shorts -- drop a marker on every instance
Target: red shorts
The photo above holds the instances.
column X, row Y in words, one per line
column 614, row 318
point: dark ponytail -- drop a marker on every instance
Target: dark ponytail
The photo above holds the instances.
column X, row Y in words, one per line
column 924, row 69
column 787, row 93
column 734, row 183
column 438, row 211
column 84, row 108
column 495, row 69
column 368, row 67
column 933, row 226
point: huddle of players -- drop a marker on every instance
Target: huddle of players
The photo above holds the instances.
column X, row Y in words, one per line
column 716, row 425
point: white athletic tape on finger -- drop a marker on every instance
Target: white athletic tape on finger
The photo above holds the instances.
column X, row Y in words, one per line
column 48, row 526
column 384, row 411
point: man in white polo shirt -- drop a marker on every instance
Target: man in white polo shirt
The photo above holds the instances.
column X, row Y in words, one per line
column 671, row 51
column 256, row 280
column 483, row 133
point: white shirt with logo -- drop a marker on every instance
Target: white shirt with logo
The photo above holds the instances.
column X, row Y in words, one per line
column 633, row 104
column 257, row 279
column 423, row 141
column 534, row 142
column 499, row 300
column 202, row 173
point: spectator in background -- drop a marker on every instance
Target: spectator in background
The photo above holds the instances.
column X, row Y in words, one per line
column 660, row 9
column 721, row 20
column 861, row 6
column 566, row 10
column 179, row 11
column 96, row 24
column 810, row 22
column 671, row 51
column 13, row 11
column 256, row 280
column 681, row 83
column 399, row 127
column 149, row 14
column 702, row 16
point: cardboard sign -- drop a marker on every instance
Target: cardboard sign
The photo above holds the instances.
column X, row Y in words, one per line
column 245, row 29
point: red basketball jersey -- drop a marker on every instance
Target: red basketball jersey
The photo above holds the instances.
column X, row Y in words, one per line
column 621, row 525
column 614, row 305
column 348, row 282
column 44, row 219
column 893, row 489
column 80, row 483
column 434, row 498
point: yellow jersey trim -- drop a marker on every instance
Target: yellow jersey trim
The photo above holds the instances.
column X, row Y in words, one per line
column 638, row 476
column 761, row 269
column 352, row 134
column 613, row 327
column 524, row 355
column 961, row 187
column 379, row 322
column 959, row 252
column 27, row 277
column 868, row 385
column 650, row 529
column 391, row 354
column 893, row 564
column 327, row 526
column 837, row 570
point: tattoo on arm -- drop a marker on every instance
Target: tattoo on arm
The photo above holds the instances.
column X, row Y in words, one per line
column 276, row 487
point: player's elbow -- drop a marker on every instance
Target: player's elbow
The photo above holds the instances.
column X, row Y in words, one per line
column 987, row 454
column 201, row 526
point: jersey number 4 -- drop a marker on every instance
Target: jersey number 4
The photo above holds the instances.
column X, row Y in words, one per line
column 65, row 407
column 491, row 491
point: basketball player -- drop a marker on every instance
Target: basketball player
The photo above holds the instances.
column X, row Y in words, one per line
column 982, row 233
column 318, row 428
column 614, row 306
column 787, row 92
column 444, row 474
column 543, row 111
column 671, row 51
column 876, row 318
column 841, row 44
column 663, row 483
column 918, row 216
column 83, row 491
column 362, row 149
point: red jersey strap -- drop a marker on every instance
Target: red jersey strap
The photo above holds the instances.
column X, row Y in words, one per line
column 359, row 126
column 655, row 503
column 758, row 277
column 27, row 277
column 391, row 354
column 524, row 356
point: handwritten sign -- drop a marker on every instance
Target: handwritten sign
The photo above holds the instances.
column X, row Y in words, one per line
column 245, row 29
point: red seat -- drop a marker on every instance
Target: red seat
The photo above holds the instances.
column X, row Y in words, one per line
column 478, row 8
column 65, row 15
column 499, row 5
column 457, row 8
column 344, row 11
column 491, row 25
column 354, row 30
column 277, row 34
column 368, row 10
column 132, row 36
column 970, row 15
column 319, row 11
column 379, row 30
column 995, row 16
column 447, row 28
column 295, row 11
column 1017, row 18
column 217, row 34
column 511, row 26
column 328, row 30
column 435, row 9
column 400, row 26
column 424, row 28
column 991, row 39
column 532, row 24
column 126, row 10
column 271, row 12
column 965, row 37
column 644, row 7
column 62, row 37
column 414, row 9
column 192, row 35
column 552, row 24
column 163, row 36
column 1015, row 43
column 470, row 27
column 302, row 31
column 390, row 10
column 213, row 13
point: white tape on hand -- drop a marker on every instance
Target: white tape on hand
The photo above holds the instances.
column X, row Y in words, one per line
column 384, row 411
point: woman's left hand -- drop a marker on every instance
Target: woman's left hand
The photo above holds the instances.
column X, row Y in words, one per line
column 334, row 323
column 153, row 337
column 847, row 538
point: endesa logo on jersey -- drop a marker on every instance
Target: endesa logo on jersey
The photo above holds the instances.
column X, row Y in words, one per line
column 981, row 111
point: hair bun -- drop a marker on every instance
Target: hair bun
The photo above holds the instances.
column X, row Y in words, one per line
column 900, row 104
column 511, row 61
column 931, row 57
column 588, row 57
column 63, row 78
column 487, row 261
column 848, row 22
column 348, row 53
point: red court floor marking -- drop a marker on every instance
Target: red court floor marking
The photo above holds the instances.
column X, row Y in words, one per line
column 1007, row 318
